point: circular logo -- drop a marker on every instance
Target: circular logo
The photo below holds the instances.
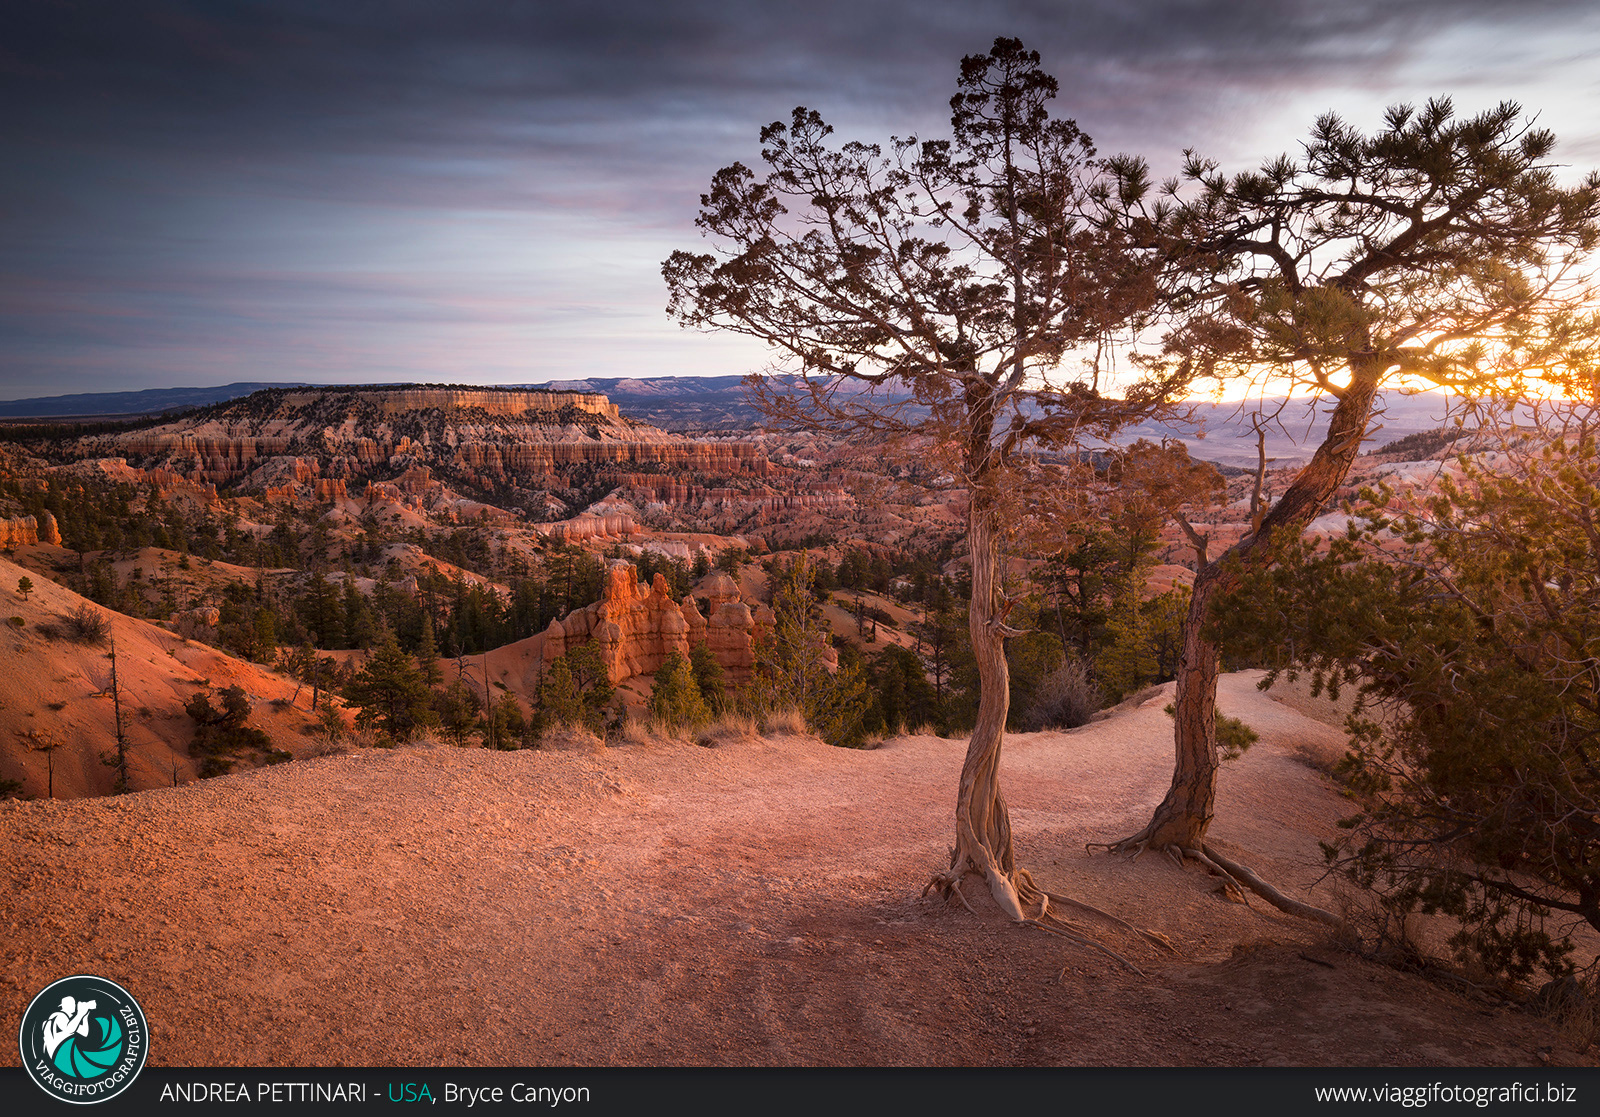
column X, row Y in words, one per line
column 83, row 1039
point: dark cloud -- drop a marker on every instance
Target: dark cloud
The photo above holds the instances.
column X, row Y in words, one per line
column 163, row 159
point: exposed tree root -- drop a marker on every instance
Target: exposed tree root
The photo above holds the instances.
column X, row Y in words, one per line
column 1057, row 927
column 1033, row 907
column 1155, row 937
column 1210, row 863
column 1271, row 895
column 1238, row 877
column 955, row 886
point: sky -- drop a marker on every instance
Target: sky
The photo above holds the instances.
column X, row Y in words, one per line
column 483, row 191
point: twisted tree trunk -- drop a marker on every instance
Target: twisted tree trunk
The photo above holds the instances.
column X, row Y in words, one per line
column 1182, row 819
column 983, row 827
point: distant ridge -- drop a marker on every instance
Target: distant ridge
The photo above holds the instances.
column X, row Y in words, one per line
column 1226, row 436
column 150, row 401
column 686, row 404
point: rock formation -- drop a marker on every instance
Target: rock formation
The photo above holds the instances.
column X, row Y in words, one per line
column 637, row 627
column 199, row 623
column 19, row 531
column 580, row 529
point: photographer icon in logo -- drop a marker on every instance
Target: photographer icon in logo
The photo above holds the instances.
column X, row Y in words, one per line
column 83, row 1039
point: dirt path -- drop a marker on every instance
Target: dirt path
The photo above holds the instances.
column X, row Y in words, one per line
column 757, row 903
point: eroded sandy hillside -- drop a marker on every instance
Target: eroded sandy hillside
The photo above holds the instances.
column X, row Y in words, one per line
column 54, row 688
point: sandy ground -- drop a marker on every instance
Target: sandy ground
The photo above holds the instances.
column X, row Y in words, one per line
column 753, row 904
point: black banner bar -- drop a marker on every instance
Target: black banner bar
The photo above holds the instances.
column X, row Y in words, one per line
column 172, row 1091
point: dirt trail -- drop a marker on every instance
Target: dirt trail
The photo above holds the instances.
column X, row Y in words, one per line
column 757, row 903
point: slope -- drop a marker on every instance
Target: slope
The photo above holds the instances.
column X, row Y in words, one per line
column 56, row 688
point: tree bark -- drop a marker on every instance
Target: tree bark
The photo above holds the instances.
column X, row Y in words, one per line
column 1184, row 816
column 983, row 826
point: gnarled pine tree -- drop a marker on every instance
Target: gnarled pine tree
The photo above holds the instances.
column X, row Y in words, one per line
column 929, row 295
column 1438, row 250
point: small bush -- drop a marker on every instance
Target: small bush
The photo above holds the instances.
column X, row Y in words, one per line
column 1065, row 699
column 218, row 733
column 87, row 625
column 17, row 622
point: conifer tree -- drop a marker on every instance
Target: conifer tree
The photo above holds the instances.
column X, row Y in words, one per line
column 1438, row 250
column 957, row 275
column 709, row 676
column 1471, row 628
column 675, row 700
column 390, row 692
column 559, row 700
column 428, row 655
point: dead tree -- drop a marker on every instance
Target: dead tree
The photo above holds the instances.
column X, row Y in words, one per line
column 118, row 761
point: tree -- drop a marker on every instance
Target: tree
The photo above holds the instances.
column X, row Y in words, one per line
column 559, row 700
column 1154, row 484
column 509, row 724
column 117, row 760
column 1472, row 624
column 220, row 732
column 675, row 699
column 795, row 666
column 709, row 676
column 593, row 681
column 1438, row 250
column 390, row 692
column 44, row 741
column 24, row 587
column 457, row 706
column 428, row 654
column 304, row 668
column 950, row 277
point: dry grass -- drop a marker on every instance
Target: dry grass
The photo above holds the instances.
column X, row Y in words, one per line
column 727, row 729
column 1066, row 699
column 364, row 737
column 1573, row 1005
column 636, row 731
column 323, row 746
column 571, row 738
column 787, row 722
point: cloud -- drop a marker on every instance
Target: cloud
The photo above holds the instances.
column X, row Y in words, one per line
column 152, row 142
